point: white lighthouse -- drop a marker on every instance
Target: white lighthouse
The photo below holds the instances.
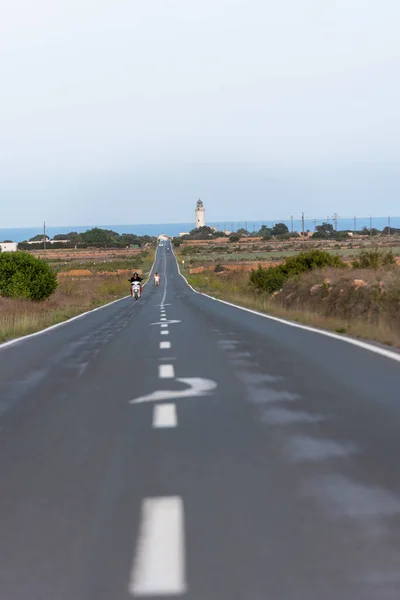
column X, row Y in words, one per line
column 200, row 214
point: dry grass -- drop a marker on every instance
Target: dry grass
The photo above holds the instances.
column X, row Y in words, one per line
column 21, row 317
column 371, row 312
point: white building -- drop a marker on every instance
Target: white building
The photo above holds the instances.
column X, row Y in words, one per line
column 8, row 246
column 200, row 214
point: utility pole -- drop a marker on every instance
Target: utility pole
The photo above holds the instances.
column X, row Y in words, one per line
column 335, row 220
column 315, row 225
column 291, row 219
column 44, row 237
column 355, row 224
column 370, row 225
column 389, row 224
column 302, row 224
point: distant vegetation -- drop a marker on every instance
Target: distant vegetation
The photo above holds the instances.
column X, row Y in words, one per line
column 280, row 231
column 92, row 238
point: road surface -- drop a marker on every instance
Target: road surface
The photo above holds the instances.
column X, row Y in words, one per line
column 180, row 447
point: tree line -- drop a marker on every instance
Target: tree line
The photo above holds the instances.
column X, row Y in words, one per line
column 95, row 237
column 280, row 231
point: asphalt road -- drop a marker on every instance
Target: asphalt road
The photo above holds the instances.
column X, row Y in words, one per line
column 180, row 447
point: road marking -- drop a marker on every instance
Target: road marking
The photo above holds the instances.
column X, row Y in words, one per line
column 165, row 345
column 166, row 371
column 163, row 325
column 159, row 564
column 171, row 321
column 196, row 387
column 165, row 332
column 164, row 415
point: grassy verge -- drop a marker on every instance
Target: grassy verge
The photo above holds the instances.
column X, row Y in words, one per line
column 72, row 297
column 199, row 255
column 366, row 313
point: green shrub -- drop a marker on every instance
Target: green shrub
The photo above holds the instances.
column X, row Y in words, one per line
column 24, row 276
column 234, row 238
column 219, row 268
column 272, row 280
column 314, row 259
column 268, row 280
column 374, row 259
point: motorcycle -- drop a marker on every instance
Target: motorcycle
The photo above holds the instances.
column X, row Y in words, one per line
column 135, row 287
column 156, row 280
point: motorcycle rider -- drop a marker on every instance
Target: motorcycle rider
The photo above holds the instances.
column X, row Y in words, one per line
column 136, row 278
column 156, row 278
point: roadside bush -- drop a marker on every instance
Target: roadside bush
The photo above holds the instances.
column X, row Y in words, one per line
column 271, row 280
column 314, row 259
column 24, row 276
column 267, row 280
column 219, row 268
column 234, row 238
column 374, row 259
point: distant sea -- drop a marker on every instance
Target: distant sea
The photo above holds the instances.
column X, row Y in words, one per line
column 173, row 229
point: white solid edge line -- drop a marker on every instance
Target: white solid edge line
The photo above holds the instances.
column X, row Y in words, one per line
column 158, row 567
column 346, row 340
column 165, row 345
column 72, row 319
column 164, row 416
column 166, row 371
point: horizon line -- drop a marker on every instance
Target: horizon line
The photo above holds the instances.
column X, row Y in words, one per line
column 220, row 221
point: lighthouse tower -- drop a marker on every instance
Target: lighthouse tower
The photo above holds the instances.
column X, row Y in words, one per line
column 200, row 214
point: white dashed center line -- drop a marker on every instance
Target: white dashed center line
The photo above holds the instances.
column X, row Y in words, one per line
column 165, row 332
column 164, row 325
column 164, row 415
column 166, row 371
column 165, row 345
column 163, row 319
column 159, row 563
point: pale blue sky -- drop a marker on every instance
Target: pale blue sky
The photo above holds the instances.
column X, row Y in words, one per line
column 126, row 111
